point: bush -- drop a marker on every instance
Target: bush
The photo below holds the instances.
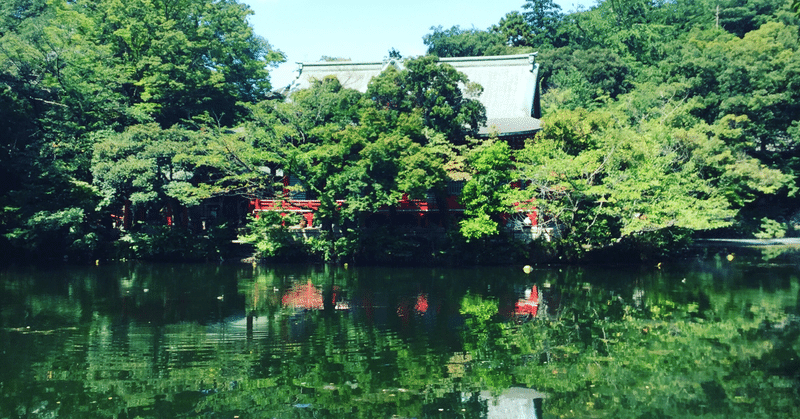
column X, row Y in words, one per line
column 771, row 229
column 270, row 235
column 166, row 243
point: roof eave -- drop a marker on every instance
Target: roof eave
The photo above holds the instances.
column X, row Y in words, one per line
column 486, row 134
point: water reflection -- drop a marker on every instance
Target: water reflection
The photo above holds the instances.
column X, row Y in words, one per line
column 704, row 338
column 516, row 402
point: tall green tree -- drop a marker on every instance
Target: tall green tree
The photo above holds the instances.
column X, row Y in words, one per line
column 69, row 69
column 151, row 169
column 52, row 93
column 543, row 17
column 459, row 42
column 435, row 91
column 182, row 58
column 603, row 183
column 515, row 30
column 348, row 151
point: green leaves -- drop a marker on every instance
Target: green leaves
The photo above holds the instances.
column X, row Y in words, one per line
column 652, row 188
column 543, row 16
column 148, row 165
column 515, row 30
column 268, row 233
column 485, row 195
column 458, row 42
column 433, row 90
column 180, row 59
column 115, row 74
column 355, row 153
column 601, row 181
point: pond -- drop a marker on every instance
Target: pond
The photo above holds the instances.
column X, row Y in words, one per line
column 705, row 337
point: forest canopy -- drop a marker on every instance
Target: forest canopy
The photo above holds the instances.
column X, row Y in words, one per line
column 661, row 121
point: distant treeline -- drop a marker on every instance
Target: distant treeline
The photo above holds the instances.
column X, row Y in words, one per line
column 662, row 121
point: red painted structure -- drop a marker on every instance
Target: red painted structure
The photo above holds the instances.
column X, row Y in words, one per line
column 419, row 208
column 306, row 208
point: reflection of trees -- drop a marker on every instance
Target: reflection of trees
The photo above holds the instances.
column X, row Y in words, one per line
column 680, row 353
column 92, row 343
column 602, row 345
column 350, row 366
column 133, row 360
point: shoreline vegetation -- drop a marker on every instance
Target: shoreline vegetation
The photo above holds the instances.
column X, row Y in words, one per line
column 144, row 132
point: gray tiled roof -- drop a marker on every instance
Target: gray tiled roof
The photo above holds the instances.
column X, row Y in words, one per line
column 510, row 85
column 352, row 75
column 511, row 126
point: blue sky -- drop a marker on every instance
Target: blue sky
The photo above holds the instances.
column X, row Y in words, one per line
column 362, row 30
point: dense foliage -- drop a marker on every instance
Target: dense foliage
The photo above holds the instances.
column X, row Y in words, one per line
column 662, row 119
column 100, row 103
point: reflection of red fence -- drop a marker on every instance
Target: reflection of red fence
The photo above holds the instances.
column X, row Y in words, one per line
column 307, row 296
column 528, row 306
column 303, row 296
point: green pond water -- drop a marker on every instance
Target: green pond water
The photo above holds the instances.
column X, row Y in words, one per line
column 705, row 337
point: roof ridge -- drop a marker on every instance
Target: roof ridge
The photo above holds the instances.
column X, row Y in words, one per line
column 531, row 56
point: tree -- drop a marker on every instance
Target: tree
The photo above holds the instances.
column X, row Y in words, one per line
column 348, row 151
column 604, row 183
column 485, row 195
column 52, row 92
column 458, row 42
column 592, row 75
column 356, row 171
column 515, row 30
column 739, row 18
column 359, row 153
column 435, row 91
column 14, row 13
column 543, row 17
column 151, row 169
column 181, row 59
column 748, row 76
column 71, row 69
column 251, row 160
